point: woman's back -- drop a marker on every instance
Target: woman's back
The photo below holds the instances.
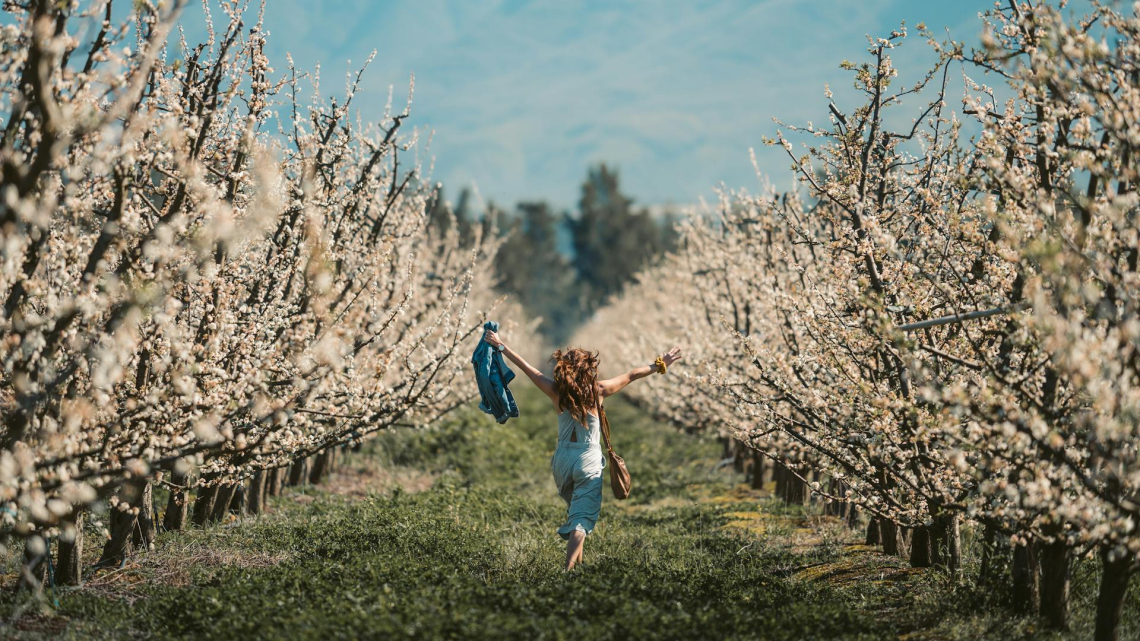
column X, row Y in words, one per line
column 571, row 431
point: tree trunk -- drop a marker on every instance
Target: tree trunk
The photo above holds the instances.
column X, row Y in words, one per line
column 279, row 478
column 320, row 467
column 1055, row 574
column 949, row 552
column 894, row 538
column 987, row 573
column 124, row 522
column 176, row 507
column 222, row 502
column 921, row 548
column 34, row 567
column 781, row 477
column 143, row 536
column 1117, row 569
column 874, row 532
column 256, row 493
column 757, row 470
column 272, row 482
column 1026, row 583
column 888, row 536
column 796, row 488
column 737, row 456
column 937, row 541
column 297, row 473
column 237, row 505
column 852, row 516
column 839, row 507
column 69, row 567
column 793, row 494
column 204, row 504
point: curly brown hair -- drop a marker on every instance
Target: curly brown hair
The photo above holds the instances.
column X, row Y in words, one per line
column 576, row 381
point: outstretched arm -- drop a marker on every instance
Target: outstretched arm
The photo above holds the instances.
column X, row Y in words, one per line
column 612, row 386
column 540, row 380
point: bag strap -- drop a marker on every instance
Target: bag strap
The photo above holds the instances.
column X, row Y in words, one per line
column 605, row 427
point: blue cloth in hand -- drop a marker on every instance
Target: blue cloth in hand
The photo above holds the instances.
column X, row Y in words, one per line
column 493, row 376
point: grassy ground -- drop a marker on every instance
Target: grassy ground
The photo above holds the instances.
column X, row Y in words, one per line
column 450, row 533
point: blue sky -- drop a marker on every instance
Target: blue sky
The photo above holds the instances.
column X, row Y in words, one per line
column 523, row 95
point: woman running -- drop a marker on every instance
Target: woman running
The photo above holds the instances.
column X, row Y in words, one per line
column 578, row 459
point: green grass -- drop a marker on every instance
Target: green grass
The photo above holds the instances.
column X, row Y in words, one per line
column 688, row 556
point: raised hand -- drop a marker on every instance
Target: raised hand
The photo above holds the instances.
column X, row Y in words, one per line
column 492, row 338
column 671, row 356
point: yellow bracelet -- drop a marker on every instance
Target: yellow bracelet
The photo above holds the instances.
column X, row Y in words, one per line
column 661, row 366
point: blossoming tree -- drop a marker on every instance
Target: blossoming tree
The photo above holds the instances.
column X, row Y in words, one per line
column 944, row 323
column 210, row 271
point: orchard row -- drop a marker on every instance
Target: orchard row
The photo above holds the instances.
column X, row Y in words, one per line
column 209, row 271
column 941, row 325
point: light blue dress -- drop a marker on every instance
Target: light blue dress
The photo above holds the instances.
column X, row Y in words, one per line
column 577, row 465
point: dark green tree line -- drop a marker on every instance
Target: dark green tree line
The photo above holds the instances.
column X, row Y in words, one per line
column 562, row 266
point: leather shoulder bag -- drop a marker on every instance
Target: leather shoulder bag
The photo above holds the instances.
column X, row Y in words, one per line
column 619, row 475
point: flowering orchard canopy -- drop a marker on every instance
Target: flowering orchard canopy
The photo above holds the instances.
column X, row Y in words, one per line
column 205, row 274
column 939, row 324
